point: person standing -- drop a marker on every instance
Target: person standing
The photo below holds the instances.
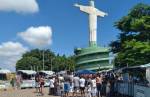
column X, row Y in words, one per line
column 18, row 81
column 98, row 84
column 93, row 87
column 112, row 82
column 37, row 83
column 66, row 87
column 108, row 89
column 12, row 82
column 89, row 89
column 71, row 88
column 76, row 85
column 42, row 85
column 103, row 85
column 56, row 86
column 62, row 88
column 51, row 86
column 82, row 86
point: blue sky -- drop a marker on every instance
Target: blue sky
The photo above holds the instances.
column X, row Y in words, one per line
column 69, row 25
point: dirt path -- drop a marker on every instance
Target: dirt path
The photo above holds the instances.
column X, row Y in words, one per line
column 24, row 93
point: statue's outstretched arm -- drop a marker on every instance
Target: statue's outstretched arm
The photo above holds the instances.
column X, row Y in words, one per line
column 77, row 5
column 86, row 9
column 100, row 13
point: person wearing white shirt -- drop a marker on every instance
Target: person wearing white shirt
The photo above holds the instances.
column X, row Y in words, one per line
column 51, row 86
column 76, row 85
column 93, row 81
column 82, row 86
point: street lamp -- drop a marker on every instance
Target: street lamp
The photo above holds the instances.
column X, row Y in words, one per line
column 99, row 66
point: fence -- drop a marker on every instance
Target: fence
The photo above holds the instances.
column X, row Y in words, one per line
column 131, row 89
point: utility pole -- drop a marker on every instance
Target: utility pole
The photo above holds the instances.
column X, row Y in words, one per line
column 36, row 68
column 52, row 64
column 43, row 59
column 31, row 67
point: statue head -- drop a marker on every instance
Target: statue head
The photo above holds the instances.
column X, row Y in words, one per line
column 92, row 3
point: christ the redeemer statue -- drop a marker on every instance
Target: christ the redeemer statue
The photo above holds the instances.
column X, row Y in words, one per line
column 93, row 14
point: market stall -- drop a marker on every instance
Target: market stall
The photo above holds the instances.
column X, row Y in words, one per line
column 4, row 78
column 28, row 78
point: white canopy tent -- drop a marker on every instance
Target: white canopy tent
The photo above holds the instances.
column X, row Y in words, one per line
column 62, row 72
column 4, row 71
column 28, row 72
column 28, row 77
column 47, row 72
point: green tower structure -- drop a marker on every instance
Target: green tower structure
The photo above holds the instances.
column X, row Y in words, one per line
column 93, row 57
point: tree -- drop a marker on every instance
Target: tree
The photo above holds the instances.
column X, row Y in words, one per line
column 28, row 63
column 71, row 64
column 133, row 44
column 64, row 63
column 34, row 60
column 133, row 53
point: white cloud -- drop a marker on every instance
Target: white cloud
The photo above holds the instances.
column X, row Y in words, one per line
column 10, row 53
column 37, row 36
column 19, row 6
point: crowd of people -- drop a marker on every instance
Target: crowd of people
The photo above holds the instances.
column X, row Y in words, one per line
column 105, row 84
column 75, row 85
column 84, row 85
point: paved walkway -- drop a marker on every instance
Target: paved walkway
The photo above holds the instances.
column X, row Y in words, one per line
column 23, row 93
